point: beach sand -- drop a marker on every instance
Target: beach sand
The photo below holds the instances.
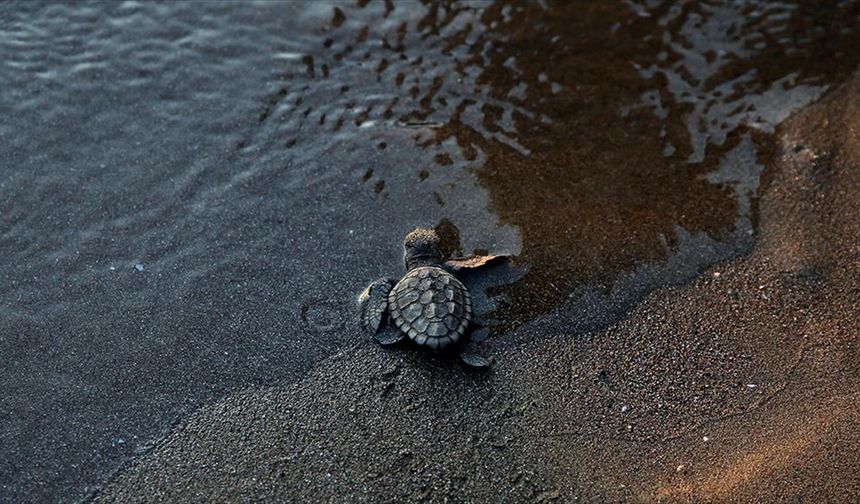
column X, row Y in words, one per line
column 740, row 386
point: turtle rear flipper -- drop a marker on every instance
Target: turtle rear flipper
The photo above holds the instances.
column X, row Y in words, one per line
column 471, row 357
column 474, row 360
column 374, row 304
column 389, row 335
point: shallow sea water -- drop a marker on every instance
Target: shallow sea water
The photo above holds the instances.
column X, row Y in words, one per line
column 192, row 194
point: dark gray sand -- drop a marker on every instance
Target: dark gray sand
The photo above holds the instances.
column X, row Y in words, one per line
column 193, row 193
column 739, row 387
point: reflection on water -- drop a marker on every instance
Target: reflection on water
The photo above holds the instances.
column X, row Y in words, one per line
column 191, row 193
column 600, row 130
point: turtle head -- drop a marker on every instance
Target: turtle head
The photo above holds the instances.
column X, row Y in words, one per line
column 422, row 248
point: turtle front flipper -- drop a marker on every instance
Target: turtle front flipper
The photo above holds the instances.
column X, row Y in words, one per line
column 374, row 304
column 474, row 262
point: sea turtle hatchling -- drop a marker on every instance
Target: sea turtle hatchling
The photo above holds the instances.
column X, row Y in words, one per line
column 429, row 305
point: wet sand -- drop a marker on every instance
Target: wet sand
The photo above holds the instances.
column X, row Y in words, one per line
column 192, row 194
column 740, row 386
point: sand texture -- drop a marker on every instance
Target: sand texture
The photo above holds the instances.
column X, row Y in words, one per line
column 740, row 386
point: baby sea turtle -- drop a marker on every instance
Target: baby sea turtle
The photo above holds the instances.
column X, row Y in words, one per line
column 429, row 305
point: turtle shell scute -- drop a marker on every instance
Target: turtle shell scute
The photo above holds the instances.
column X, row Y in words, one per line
column 431, row 306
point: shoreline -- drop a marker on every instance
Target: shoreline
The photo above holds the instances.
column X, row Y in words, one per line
column 735, row 387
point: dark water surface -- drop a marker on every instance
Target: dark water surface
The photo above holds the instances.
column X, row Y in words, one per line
column 192, row 194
